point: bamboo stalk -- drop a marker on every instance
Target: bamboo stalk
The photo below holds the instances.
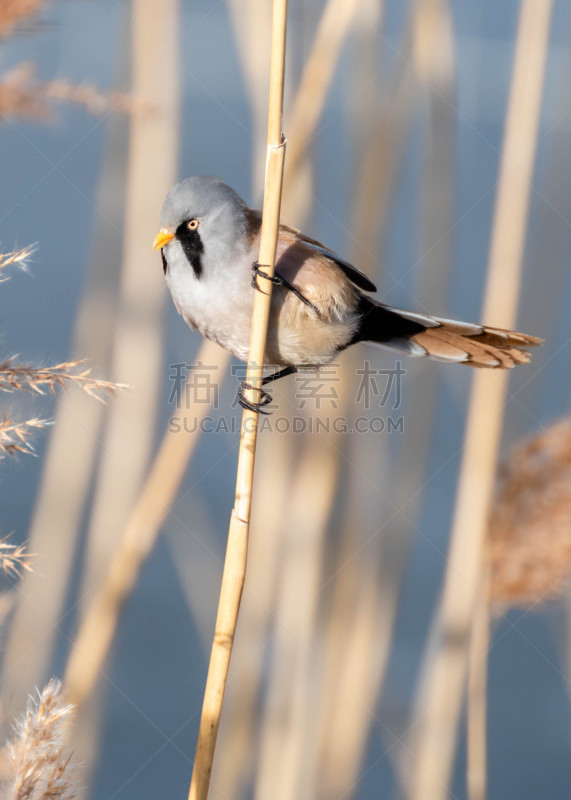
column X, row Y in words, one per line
column 445, row 672
column 236, row 555
column 477, row 688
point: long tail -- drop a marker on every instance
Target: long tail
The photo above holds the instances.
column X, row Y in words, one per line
column 442, row 339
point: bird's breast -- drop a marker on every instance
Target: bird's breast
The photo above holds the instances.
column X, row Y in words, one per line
column 217, row 303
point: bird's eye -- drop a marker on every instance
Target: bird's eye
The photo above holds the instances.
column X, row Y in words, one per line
column 192, row 224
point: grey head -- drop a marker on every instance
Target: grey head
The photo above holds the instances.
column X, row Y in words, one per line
column 209, row 220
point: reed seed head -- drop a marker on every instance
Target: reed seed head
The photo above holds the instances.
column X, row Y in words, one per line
column 529, row 545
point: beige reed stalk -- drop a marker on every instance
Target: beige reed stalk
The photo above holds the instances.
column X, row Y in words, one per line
column 98, row 627
column 236, row 555
column 334, row 25
column 265, row 557
column 528, row 560
column 138, row 335
column 477, row 690
column 65, row 481
column 444, row 673
column 287, row 766
column 250, row 21
column 367, row 589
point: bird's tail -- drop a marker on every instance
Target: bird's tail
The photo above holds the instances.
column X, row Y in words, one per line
column 442, row 339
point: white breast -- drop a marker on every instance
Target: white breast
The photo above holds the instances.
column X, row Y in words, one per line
column 218, row 304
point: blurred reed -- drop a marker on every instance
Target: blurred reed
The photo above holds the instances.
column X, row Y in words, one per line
column 336, row 20
column 287, row 759
column 529, row 545
column 444, row 671
column 369, row 573
column 251, row 21
column 137, row 337
column 476, row 757
column 137, row 332
column 63, row 492
column 137, row 351
column 62, row 495
column 527, row 560
column 348, row 656
column 22, row 95
column 95, row 635
column 15, row 13
column 357, row 654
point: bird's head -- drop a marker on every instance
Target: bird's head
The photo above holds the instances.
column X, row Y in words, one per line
column 205, row 220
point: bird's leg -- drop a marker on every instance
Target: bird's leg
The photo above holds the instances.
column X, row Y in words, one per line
column 278, row 280
column 281, row 373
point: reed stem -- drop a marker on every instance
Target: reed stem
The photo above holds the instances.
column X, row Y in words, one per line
column 445, row 672
column 99, row 625
column 237, row 549
column 476, row 775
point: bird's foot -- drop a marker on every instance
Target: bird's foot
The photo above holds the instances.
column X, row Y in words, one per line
column 259, row 273
column 277, row 280
column 265, row 399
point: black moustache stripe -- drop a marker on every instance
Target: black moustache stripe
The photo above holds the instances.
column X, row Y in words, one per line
column 192, row 247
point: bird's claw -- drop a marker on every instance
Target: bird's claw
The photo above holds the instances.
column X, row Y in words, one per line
column 258, row 272
column 278, row 280
column 265, row 399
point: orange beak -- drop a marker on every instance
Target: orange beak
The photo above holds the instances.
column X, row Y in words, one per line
column 163, row 237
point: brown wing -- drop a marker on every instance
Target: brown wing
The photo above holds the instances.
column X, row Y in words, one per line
column 316, row 248
column 355, row 276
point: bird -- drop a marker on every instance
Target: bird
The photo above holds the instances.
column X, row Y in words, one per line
column 209, row 240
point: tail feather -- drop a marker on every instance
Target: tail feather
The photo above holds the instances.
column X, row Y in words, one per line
column 443, row 339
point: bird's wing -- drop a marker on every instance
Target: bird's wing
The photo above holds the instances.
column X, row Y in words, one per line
column 354, row 275
column 309, row 246
column 315, row 278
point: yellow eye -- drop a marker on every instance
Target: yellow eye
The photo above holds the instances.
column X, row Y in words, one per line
column 192, row 224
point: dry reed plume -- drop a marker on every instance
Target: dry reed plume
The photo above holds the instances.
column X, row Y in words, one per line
column 445, row 670
column 17, row 258
column 41, row 767
column 529, row 544
column 13, row 558
column 14, row 436
column 14, row 12
column 22, row 95
column 39, row 380
column 527, row 561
